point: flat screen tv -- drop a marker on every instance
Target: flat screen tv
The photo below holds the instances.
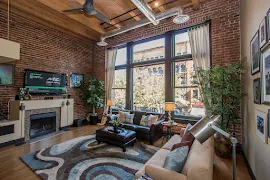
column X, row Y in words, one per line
column 39, row 82
column 7, row 75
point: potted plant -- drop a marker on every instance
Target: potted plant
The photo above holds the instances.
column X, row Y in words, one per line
column 93, row 93
column 220, row 87
column 115, row 124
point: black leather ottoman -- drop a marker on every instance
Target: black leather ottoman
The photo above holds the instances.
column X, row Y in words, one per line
column 123, row 139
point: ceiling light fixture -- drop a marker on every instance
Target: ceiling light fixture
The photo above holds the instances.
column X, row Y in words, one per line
column 181, row 18
column 156, row 4
column 102, row 43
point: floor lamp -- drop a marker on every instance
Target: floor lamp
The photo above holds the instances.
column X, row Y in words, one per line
column 206, row 128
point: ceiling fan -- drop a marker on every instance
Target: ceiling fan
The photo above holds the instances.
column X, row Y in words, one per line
column 88, row 8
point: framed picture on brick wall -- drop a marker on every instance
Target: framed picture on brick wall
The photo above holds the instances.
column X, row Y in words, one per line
column 257, row 90
column 255, row 53
column 263, row 33
column 76, row 80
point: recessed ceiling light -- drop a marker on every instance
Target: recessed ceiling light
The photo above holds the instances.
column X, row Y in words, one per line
column 156, row 4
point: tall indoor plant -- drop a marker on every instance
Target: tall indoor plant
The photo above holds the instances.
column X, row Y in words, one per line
column 221, row 94
column 93, row 93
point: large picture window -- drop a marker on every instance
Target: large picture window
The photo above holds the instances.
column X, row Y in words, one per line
column 152, row 71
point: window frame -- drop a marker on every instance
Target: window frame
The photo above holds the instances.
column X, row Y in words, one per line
column 169, row 59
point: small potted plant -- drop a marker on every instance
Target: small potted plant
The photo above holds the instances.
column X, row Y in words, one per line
column 115, row 124
column 93, row 93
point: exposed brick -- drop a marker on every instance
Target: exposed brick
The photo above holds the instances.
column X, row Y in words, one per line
column 46, row 49
column 225, row 32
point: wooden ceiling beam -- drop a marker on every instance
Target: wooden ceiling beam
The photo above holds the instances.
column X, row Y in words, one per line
column 196, row 4
column 101, row 10
column 127, row 5
column 46, row 16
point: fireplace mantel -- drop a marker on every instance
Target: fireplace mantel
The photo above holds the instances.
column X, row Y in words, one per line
column 18, row 109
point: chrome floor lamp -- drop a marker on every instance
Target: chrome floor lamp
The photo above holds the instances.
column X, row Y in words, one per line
column 206, row 128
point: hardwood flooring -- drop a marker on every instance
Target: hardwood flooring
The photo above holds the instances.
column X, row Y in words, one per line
column 12, row 168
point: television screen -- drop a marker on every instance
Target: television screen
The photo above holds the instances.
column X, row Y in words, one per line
column 6, row 75
column 45, row 82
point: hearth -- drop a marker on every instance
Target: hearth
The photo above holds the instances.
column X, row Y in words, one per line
column 41, row 124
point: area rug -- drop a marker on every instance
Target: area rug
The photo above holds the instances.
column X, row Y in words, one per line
column 84, row 158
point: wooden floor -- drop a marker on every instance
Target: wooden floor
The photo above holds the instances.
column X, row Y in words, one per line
column 12, row 168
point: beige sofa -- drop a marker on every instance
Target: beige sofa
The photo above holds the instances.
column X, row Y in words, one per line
column 198, row 166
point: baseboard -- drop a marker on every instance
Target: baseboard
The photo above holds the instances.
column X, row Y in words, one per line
column 16, row 142
column 252, row 176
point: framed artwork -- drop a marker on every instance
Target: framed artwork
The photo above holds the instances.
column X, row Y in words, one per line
column 262, row 34
column 257, row 90
column 255, row 54
column 268, row 23
column 76, row 80
column 265, row 75
column 262, row 125
column 7, row 74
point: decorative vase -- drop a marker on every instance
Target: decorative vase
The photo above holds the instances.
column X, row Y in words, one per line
column 223, row 146
column 115, row 129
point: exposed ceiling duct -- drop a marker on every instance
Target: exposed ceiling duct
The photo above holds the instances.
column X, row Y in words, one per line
column 146, row 10
column 180, row 18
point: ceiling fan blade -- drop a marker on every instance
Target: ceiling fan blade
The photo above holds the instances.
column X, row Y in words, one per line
column 73, row 10
column 101, row 16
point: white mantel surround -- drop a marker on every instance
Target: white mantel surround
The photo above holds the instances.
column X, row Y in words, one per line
column 18, row 108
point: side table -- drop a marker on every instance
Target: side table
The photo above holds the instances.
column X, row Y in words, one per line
column 168, row 126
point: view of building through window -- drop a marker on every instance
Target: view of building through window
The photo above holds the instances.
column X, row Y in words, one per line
column 149, row 80
column 149, row 88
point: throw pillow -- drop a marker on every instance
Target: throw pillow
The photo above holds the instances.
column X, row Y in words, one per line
column 144, row 120
column 178, row 145
column 125, row 117
column 187, row 128
column 187, row 137
column 175, row 160
column 152, row 119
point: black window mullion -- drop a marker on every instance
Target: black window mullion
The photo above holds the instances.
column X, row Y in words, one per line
column 129, row 75
column 169, row 68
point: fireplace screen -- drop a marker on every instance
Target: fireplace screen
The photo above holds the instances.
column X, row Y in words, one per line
column 42, row 124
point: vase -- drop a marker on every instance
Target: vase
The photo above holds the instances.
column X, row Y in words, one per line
column 115, row 129
column 223, row 146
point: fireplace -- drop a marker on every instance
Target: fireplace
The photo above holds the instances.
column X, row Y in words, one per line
column 41, row 124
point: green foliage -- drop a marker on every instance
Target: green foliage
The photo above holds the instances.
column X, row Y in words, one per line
column 221, row 92
column 93, row 93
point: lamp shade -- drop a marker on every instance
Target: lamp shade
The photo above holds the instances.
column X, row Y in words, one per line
column 169, row 106
column 202, row 131
column 109, row 103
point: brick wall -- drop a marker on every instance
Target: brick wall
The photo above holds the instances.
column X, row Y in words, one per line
column 46, row 49
column 225, row 32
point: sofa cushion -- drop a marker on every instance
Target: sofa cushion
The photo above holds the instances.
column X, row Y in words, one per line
column 159, row 173
column 144, row 120
column 187, row 128
column 138, row 117
column 176, row 159
column 199, row 163
column 178, row 145
column 157, row 159
column 143, row 129
column 175, row 139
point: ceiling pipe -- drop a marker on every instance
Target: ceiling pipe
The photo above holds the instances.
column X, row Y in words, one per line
column 160, row 16
column 146, row 10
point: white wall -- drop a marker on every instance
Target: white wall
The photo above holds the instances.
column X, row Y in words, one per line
column 258, row 153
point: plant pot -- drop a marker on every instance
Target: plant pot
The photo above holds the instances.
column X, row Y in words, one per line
column 223, row 146
column 115, row 129
column 93, row 120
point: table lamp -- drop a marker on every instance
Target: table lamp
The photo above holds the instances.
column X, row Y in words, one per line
column 109, row 104
column 206, row 128
column 169, row 107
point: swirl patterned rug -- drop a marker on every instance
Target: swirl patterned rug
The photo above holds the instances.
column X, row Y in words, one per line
column 84, row 158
